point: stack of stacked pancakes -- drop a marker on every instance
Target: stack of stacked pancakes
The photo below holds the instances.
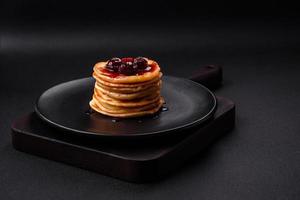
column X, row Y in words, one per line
column 127, row 87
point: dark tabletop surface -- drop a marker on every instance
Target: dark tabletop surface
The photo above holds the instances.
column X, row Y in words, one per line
column 259, row 159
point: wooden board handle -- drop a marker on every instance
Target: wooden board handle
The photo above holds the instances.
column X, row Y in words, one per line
column 210, row 76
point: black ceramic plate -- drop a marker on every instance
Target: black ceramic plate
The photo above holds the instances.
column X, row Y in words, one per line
column 65, row 106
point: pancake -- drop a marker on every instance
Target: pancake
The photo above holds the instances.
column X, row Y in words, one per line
column 120, row 110
column 130, row 90
column 129, row 114
column 136, row 103
column 99, row 69
column 129, row 96
column 127, row 90
column 122, row 85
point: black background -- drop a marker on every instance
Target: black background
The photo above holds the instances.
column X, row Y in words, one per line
column 257, row 42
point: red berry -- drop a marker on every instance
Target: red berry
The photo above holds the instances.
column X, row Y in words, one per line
column 140, row 63
column 126, row 69
column 128, row 66
column 114, row 64
column 128, row 59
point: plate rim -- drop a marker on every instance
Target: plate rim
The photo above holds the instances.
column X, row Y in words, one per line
column 144, row 134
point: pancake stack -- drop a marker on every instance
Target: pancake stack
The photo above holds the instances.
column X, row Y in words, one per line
column 127, row 87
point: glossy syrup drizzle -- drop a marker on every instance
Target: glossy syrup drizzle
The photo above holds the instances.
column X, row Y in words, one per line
column 115, row 120
column 89, row 111
column 164, row 109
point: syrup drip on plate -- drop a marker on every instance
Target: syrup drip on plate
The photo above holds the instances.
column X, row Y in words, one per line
column 89, row 112
column 114, row 120
column 164, row 109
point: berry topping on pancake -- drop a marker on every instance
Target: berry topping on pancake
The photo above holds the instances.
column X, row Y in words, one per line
column 127, row 87
column 114, row 64
column 128, row 66
column 140, row 63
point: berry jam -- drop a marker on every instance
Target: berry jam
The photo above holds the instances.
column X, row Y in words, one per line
column 109, row 73
column 127, row 67
column 128, row 59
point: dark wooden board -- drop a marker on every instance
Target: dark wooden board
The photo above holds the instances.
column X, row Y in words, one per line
column 135, row 162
